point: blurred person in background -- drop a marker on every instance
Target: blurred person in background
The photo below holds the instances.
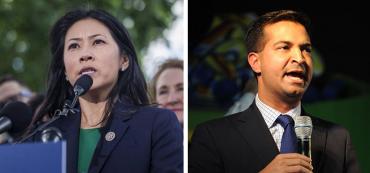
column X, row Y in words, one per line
column 167, row 87
column 12, row 89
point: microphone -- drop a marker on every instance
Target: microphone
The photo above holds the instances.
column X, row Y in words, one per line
column 303, row 129
column 51, row 134
column 82, row 85
column 15, row 117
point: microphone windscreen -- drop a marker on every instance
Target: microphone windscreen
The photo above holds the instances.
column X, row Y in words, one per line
column 83, row 84
column 19, row 114
column 303, row 126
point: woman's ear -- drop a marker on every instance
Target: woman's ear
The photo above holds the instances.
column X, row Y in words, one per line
column 65, row 73
column 254, row 62
column 125, row 63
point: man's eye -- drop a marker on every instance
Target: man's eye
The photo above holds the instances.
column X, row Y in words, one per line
column 308, row 49
column 284, row 47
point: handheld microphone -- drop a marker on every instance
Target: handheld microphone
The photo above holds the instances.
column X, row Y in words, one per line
column 303, row 129
column 15, row 117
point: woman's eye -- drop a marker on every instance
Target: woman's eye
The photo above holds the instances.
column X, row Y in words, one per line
column 73, row 46
column 162, row 92
column 98, row 41
column 180, row 88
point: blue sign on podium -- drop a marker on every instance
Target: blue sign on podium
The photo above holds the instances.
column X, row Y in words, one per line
column 33, row 158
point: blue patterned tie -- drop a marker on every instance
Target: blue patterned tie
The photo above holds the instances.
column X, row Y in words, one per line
column 289, row 139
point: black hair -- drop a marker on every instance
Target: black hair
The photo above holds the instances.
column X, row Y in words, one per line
column 131, row 84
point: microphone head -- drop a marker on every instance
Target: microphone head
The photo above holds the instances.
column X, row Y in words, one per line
column 51, row 134
column 303, row 126
column 82, row 85
column 19, row 114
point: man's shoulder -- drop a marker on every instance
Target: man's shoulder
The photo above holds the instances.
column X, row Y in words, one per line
column 224, row 123
column 214, row 123
column 329, row 126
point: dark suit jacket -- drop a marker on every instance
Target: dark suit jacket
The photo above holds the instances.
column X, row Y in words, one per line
column 243, row 143
column 146, row 139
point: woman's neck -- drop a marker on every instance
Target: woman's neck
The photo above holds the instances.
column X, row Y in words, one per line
column 92, row 112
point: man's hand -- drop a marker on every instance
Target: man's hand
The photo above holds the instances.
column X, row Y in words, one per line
column 291, row 162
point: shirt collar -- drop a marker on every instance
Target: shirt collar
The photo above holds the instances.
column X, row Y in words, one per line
column 270, row 114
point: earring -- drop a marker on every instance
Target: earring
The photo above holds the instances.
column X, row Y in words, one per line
column 67, row 78
column 123, row 69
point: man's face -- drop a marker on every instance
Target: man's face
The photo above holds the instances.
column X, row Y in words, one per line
column 285, row 62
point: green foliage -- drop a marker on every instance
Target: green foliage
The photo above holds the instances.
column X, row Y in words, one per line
column 25, row 25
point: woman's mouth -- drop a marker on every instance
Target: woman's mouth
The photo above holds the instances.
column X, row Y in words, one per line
column 87, row 70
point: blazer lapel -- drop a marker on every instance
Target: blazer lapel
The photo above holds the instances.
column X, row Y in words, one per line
column 70, row 126
column 110, row 137
column 254, row 130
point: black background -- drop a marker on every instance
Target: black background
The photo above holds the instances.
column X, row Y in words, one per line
column 340, row 31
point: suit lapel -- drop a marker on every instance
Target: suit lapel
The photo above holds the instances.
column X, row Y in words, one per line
column 319, row 136
column 318, row 139
column 118, row 126
column 255, row 132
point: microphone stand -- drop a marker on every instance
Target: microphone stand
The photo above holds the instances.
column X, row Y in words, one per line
column 82, row 85
column 66, row 109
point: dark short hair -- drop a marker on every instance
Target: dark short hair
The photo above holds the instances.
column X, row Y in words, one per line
column 254, row 34
column 131, row 84
column 169, row 63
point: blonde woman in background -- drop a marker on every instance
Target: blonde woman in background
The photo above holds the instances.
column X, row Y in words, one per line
column 167, row 87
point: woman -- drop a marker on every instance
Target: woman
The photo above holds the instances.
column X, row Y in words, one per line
column 115, row 130
column 167, row 87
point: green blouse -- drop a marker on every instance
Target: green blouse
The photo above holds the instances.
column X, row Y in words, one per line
column 88, row 140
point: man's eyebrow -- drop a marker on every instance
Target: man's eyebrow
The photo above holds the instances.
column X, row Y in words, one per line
column 284, row 42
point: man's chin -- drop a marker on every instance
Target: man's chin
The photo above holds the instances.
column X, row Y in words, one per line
column 295, row 94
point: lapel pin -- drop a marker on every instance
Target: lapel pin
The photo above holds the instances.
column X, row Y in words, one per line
column 110, row 136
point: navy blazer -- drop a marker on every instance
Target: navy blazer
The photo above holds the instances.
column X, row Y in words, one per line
column 243, row 143
column 147, row 139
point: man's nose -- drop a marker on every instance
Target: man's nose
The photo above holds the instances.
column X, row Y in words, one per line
column 297, row 56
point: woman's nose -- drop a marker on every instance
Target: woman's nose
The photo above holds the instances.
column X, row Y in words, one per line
column 86, row 58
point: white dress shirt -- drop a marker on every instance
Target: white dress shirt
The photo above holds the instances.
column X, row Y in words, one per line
column 270, row 114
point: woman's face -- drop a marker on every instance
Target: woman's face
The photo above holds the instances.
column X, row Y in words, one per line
column 169, row 91
column 90, row 49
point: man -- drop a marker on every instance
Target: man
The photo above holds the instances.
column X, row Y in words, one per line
column 279, row 52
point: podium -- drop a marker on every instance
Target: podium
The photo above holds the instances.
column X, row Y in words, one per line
column 33, row 158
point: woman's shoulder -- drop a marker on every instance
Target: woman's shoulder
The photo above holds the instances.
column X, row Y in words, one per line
column 153, row 108
column 155, row 112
